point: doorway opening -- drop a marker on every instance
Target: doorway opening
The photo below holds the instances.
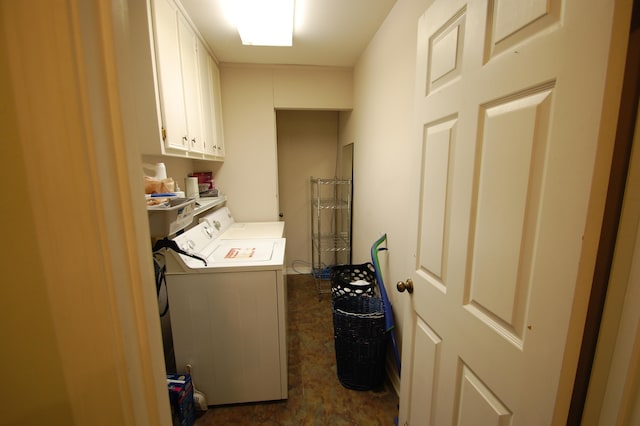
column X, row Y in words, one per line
column 308, row 144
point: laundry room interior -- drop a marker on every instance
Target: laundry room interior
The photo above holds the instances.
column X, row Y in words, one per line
column 295, row 152
column 417, row 213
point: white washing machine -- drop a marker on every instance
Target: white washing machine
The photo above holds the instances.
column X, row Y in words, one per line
column 228, row 316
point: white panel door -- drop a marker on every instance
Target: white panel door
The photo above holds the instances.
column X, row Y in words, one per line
column 508, row 104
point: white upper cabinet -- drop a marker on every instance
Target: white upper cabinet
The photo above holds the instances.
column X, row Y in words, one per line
column 211, row 105
column 189, row 97
column 189, row 61
column 216, row 101
column 169, row 75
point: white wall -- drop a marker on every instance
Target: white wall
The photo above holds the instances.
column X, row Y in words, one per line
column 250, row 95
column 249, row 174
column 298, row 87
column 382, row 128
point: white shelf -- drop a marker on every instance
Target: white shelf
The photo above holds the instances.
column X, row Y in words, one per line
column 206, row 203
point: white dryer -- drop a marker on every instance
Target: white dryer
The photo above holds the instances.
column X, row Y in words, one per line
column 228, row 312
column 229, row 229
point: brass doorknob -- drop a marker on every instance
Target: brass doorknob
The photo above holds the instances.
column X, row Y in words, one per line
column 405, row 285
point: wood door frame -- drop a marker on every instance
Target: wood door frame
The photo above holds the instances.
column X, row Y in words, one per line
column 71, row 121
column 611, row 220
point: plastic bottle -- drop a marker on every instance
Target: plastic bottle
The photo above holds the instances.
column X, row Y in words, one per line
column 161, row 171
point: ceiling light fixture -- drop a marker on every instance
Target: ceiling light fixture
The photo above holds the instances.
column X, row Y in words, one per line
column 263, row 22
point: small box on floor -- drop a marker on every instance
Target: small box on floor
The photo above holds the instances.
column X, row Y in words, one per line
column 181, row 399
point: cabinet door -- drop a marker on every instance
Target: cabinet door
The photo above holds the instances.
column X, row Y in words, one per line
column 217, row 108
column 206, row 95
column 209, row 87
column 190, row 84
column 172, row 105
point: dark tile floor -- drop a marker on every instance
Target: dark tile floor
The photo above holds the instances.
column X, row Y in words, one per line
column 316, row 397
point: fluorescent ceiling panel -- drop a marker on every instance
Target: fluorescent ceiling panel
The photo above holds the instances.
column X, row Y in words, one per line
column 263, row 22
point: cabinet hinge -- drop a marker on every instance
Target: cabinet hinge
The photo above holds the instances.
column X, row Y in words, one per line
column 163, row 131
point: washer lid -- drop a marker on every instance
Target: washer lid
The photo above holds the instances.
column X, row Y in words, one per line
column 235, row 251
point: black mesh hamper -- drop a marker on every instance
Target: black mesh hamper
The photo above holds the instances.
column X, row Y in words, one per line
column 360, row 339
column 347, row 280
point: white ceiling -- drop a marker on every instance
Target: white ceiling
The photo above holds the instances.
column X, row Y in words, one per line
column 327, row 32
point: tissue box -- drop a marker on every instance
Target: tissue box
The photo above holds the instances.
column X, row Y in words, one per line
column 181, row 398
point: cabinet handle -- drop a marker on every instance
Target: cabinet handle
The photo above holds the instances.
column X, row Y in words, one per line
column 193, row 141
column 184, row 139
